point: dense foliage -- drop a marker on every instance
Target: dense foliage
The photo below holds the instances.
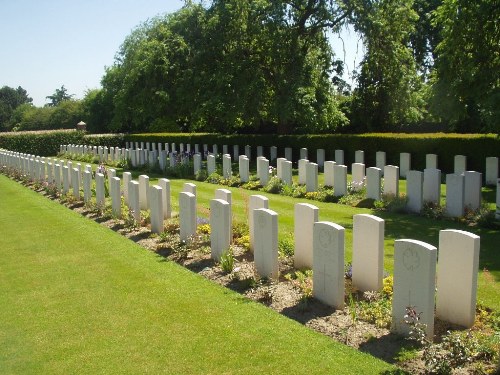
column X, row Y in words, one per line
column 264, row 66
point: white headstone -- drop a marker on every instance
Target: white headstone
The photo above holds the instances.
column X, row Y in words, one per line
column 266, row 243
column 286, row 172
column 358, row 176
column 225, row 150
column 226, row 166
column 497, row 212
column 359, row 157
column 127, row 177
column 133, row 200
column 260, row 151
column 244, row 168
column 99, row 189
column 305, row 216
column 328, row 173
column 339, row 157
column 197, row 163
column 255, row 202
column 220, row 224
column 367, row 252
column 455, row 189
column 404, row 163
column 65, row 175
column 116, row 197
column 187, row 215
column 303, row 153
column 263, row 173
column 226, row 195
column 76, row 183
column 248, row 151
column 156, row 214
column 87, row 184
column 328, row 263
column 57, row 176
column 302, row 171
column 311, row 177
column 144, row 192
column 289, row 154
column 236, row 152
column 491, row 171
column 391, row 180
column 457, row 278
column 320, row 157
column 211, row 164
column 339, row 180
column 373, row 183
column 432, row 185
column 414, row 284
column 460, row 164
column 274, row 153
column 189, row 188
column 165, row 187
column 380, row 160
column 472, row 195
column 414, row 191
column 431, row 161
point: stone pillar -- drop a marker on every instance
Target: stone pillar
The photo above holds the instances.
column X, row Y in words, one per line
column 226, row 166
column 127, row 177
column 197, row 163
column 302, row 171
column 457, row 278
column 189, row 188
column 339, row 157
column 414, row 284
column 391, row 180
column 144, row 192
column 367, row 252
column 305, row 216
column 380, row 160
column 328, row 263
column 226, row 195
column 320, row 157
column 286, row 172
column 156, row 214
column 116, row 197
column 165, row 186
column 87, row 183
column 311, row 177
column 248, row 151
column 288, row 154
column 266, row 243
column 220, row 224
column 260, row 151
column 431, row 161
column 472, row 196
column 65, row 175
column 211, row 164
column 273, row 153
column 339, row 180
column 133, row 198
column 255, row 202
column 57, row 176
column 432, row 186
column 414, row 191
column 244, row 168
column 359, row 157
column 100, row 193
column 76, row 183
column 404, row 163
column 358, row 176
column 491, row 171
column 460, row 164
column 263, row 173
column 236, row 152
column 303, row 153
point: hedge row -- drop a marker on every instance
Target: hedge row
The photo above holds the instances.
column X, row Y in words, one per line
column 46, row 143
column 475, row 146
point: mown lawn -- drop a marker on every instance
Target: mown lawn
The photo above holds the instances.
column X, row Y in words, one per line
column 76, row 297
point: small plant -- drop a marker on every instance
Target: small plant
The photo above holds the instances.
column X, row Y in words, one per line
column 214, row 178
column 286, row 247
column 227, row 261
column 204, row 228
column 274, row 185
column 388, row 285
column 243, row 241
column 129, row 221
column 303, row 281
column 351, row 306
column 432, row 210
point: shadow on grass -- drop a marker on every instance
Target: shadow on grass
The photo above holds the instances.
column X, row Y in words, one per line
column 307, row 309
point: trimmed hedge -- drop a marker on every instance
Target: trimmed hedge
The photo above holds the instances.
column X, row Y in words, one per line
column 477, row 147
column 46, row 143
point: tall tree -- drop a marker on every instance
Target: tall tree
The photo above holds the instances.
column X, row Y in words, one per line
column 58, row 96
column 10, row 99
column 466, row 81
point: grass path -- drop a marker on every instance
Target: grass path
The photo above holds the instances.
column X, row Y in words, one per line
column 76, row 297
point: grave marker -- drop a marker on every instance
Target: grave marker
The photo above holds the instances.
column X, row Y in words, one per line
column 305, row 216
column 266, row 242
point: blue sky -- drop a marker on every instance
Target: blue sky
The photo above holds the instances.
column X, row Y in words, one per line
column 49, row 43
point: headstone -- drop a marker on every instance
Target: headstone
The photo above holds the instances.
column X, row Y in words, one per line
column 248, row 151
column 236, row 152
column 460, row 164
column 226, row 166
column 273, row 153
column 181, row 147
column 432, row 186
column 263, row 174
column 258, row 164
column 225, row 150
column 133, row 199
column 305, row 216
column 220, row 224
column 226, row 195
column 455, row 189
column 328, row 173
column 303, row 153
column 165, row 186
column 367, row 252
column 286, row 172
column 260, row 151
column 431, row 161
column 279, row 170
column 76, row 183
column 497, row 212
column 491, row 171
column 244, row 168
column 57, row 176
column 339, row 180
column 266, row 243
column 65, row 175
column 172, row 159
column 320, row 157
column 100, row 193
column 215, row 150
column 358, row 176
column 211, row 164
column 373, row 186
column 391, row 180
column 87, row 184
column 380, row 160
column 143, row 192
column 152, row 158
column 127, row 177
column 187, row 215
column 404, row 163
column 328, row 263
column 302, row 171
column 472, row 192
column 189, row 188
column 414, row 284
column 311, row 177
column 116, row 197
column 197, row 163
column 197, row 149
column 255, row 202
column 359, row 157
column 339, row 157
column 457, row 278
column 156, row 214
column 414, row 191
column 288, row 154
column 163, row 159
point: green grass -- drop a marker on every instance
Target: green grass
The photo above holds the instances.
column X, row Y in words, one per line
column 76, row 297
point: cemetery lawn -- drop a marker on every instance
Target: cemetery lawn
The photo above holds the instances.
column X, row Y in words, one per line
column 76, row 297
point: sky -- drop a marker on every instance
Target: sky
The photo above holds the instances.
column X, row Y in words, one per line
column 49, row 43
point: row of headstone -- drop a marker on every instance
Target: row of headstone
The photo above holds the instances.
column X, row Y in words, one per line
column 318, row 245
